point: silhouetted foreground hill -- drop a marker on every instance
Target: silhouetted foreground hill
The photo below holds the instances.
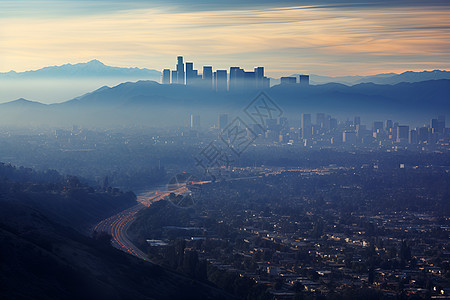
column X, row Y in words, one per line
column 150, row 103
column 43, row 258
column 62, row 198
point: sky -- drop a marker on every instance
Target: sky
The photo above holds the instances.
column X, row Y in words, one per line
column 323, row 37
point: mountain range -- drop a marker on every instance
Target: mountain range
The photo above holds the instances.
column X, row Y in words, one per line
column 151, row 103
column 96, row 69
column 93, row 68
column 387, row 78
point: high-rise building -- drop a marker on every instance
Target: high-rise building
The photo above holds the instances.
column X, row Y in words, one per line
column 357, row 121
column 423, row 133
column 388, row 125
column 349, row 137
column 165, row 76
column 413, row 137
column 195, row 121
column 236, row 79
column 221, row 80
column 180, row 70
column 207, row 77
column 189, row 73
column 402, row 133
column 304, row 79
column 438, row 125
column 377, row 126
column 320, row 120
column 306, row 125
column 223, row 121
column 259, row 75
column 241, row 79
column 174, row 76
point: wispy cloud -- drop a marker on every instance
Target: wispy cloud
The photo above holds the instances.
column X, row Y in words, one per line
column 324, row 40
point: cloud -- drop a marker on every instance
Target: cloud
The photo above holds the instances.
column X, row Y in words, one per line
column 324, row 40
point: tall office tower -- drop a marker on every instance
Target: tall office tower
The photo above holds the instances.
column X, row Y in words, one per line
column 259, row 76
column 434, row 125
column 402, row 133
column 249, row 80
column 306, row 126
column 221, row 80
column 441, row 124
column 223, row 121
column 349, row 137
column 180, row 70
column 165, row 76
column 236, row 79
column 288, row 80
column 423, row 133
column 208, row 77
column 333, row 123
column 320, row 120
column 413, row 137
column 304, row 79
column 377, row 126
column 174, row 76
column 195, row 121
column 357, row 121
column 388, row 125
column 189, row 73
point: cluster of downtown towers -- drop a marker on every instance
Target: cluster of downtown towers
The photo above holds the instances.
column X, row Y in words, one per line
column 238, row 79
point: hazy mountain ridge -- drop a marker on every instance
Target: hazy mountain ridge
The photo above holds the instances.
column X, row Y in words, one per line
column 146, row 102
column 384, row 78
column 92, row 68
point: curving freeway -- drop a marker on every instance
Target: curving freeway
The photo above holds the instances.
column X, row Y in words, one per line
column 118, row 224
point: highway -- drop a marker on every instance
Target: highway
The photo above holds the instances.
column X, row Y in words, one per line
column 118, row 224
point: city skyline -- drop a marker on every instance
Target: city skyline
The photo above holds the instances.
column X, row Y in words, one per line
column 327, row 39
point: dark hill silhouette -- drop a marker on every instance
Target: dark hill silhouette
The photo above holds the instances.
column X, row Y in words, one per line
column 43, row 257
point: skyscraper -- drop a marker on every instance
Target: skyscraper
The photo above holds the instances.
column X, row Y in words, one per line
column 221, row 80
column 180, row 70
column 306, row 126
column 208, row 77
column 320, row 120
column 259, row 74
column 413, row 137
column 349, row 137
column 304, row 79
column 377, row 126
column 402, row 134
column 195, row 121
column 174, row 76
column 236, row 78
column 189, row 72
column 165, row 77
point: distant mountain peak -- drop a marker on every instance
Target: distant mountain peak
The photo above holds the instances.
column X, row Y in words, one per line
column 95, row 62
column 92, row 68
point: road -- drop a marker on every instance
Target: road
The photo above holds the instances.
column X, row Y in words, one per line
column 118, row 224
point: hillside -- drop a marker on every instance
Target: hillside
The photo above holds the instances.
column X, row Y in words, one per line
column 43, row 257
